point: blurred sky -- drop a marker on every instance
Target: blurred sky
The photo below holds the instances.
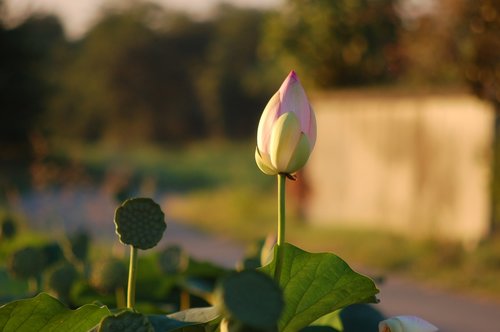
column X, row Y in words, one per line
column 78, row 15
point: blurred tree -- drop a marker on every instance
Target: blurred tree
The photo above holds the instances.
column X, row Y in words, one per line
column 482, row 69
column 430, row 47
column 332, row 43
column 156, row 82
column 84, row 101
column 483, row 50
column 26, row 67
column 25, row 80
column 230, row 84
column 129, row 79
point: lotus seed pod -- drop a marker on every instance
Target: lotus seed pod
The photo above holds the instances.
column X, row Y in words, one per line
column 173, row 260
column 108, row 275
column 61, row 278
column 53, row 253
column 8, row 228
column 126, row 321
column 26, row 263
column 140, row 223
column 79, row 245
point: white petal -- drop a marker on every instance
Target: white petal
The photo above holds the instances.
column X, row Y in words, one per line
column 267, row 119
column 294, row 99
column 264, row 163
column 406, row 324
column 300, row 155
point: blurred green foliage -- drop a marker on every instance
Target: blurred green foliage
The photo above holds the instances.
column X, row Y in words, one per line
column 148, row 168
column 25, row 78
column 483, row 62
column 127, row 81
column 482, row 69
column 147, row 74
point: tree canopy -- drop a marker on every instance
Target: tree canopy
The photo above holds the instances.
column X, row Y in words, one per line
column 337, row 43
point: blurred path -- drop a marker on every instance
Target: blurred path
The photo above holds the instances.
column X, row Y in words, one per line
column 203, row 246
column 450, row 312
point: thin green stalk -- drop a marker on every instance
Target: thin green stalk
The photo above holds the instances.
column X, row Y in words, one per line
column 120, row 297
column 132, row 274
column 281, row 227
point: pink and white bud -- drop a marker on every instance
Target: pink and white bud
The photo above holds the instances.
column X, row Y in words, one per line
column 287, row 130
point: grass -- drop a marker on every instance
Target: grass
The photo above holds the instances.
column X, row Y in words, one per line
column 202, row 165
column 232, row 211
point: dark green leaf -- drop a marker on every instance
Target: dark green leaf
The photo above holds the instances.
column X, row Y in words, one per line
column 360, row 318
column 316, row 284
column 251, row 298
column 44, row 313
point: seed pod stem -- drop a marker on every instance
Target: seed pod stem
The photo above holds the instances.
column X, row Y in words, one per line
column 132, row 275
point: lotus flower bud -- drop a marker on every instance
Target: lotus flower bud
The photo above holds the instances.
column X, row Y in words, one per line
column 287, row 130
column 406, row 324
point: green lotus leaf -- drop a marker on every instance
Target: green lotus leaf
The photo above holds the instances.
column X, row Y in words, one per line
column 43, row 313
column 316, row 284
column 251, row 298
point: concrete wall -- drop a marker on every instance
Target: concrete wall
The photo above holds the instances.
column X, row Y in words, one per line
column 410, row 164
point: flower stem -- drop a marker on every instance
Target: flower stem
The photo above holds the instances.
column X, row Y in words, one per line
column 281, row 227
column 132, row 274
